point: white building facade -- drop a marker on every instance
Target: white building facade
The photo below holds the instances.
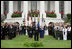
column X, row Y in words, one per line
column 42, row 6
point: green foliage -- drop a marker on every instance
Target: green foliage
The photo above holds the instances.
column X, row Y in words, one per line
column 68, row 21
column 51, row 15
column 16, row 15
column 33, row 44
column 69, row 16
column 24, row 42
column 36, row 44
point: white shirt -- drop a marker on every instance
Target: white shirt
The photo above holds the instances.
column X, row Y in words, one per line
column 64, row 34
column 65, row 30
column 69, row 28
column 57, row 27
column 61, row 28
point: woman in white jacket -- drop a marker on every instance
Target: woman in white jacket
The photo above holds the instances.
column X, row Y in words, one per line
column 64, row 33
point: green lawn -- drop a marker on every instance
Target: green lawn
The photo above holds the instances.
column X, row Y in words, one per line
column 24, row 42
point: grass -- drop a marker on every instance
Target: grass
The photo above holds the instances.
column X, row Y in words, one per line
column 24, row 42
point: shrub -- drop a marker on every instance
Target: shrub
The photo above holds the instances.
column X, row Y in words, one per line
column 36, row 44
column 16, row 14
column 33, row 44
column 69, row 16
column 50, row 14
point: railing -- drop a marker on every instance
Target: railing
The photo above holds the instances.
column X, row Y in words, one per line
column 46, row 19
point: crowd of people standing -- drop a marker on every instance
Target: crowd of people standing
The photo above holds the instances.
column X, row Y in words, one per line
column 60, row 30
column 57, row 30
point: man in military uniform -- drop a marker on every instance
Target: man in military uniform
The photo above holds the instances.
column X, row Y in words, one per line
column 42, row 31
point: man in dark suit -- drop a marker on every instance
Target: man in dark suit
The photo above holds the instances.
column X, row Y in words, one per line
column 11, row 33
column 28, row 27
column 6, row 30
column 24, row 29
column 36, row 34
column 31, row 32
column 3, row 31
column 49, row 29
column 20, row 29
column 14, row 30
column 17, row 30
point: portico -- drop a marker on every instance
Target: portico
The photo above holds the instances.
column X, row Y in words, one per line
column 42, row 6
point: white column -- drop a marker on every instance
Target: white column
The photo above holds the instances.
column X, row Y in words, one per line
column 57, row 10
column 29, row 5
column 38, row 5
column 25, row 10
column 66, row 7
column 52, row 6
column 10, row 9
column 2, row 8
column 46, row 5
column 42, row 10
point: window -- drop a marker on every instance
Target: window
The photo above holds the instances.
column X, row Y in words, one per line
column 6, row 6
column 61, row 6
column 48, row 7
column 19, row 5
column 33, row 5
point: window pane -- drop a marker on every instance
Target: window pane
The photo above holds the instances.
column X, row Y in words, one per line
column 19, row 5
column 33, row 5
column 61, row 6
